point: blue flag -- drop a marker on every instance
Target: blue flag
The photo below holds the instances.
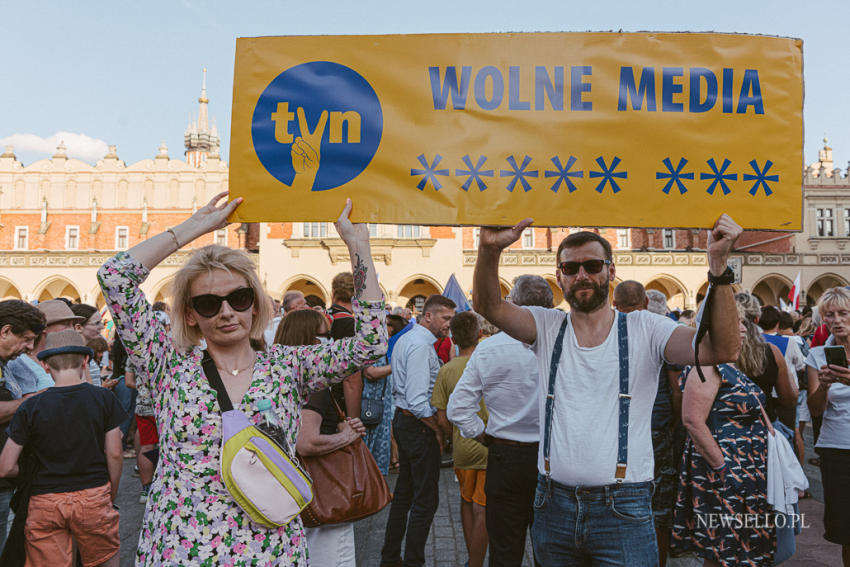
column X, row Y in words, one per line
column 454, row 292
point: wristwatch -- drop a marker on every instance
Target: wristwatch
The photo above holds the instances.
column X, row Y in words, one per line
column 726, row 278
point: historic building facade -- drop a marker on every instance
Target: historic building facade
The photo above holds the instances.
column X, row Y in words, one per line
column 60, row 218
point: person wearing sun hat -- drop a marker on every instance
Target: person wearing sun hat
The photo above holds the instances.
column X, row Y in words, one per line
column 29, row 375
column 72, row 430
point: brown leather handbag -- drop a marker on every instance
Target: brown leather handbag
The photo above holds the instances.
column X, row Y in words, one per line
column 347, row 484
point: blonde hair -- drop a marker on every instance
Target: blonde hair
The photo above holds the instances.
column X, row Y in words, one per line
column 751, row 360
column 807, row 327
column 834, row 297
column 204, row 261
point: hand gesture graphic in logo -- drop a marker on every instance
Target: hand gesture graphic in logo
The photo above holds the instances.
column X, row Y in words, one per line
column 306, row 151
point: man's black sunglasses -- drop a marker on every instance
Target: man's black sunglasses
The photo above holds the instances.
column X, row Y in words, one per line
column 590, row 266
column 208, row 305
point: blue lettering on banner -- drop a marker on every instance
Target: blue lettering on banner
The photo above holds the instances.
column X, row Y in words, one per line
column 751, row 83
column 608, row 174
column 498, row 88
column 488, row 87
column 728, row 76
column 674, row 175
column 695, row 104
column 563, row 174
column 459, row 92
column 514, row 100
column 325, row 103
column 553, row 89
column 670, row 88
column 578, row 86
column 637, row 93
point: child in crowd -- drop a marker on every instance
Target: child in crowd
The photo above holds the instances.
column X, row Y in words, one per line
column 72, row 431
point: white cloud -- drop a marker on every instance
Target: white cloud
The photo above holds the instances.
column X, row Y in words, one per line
column 79, row 146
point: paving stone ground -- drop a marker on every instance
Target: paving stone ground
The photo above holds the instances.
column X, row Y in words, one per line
column 446, row 547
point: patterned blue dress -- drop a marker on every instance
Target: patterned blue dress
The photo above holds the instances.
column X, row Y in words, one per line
column 378, row 437
column 729, row 522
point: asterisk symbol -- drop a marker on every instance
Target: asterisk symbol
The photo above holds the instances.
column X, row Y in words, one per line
column 563, row 174
column 607, row 174
column 430, row 172
column 719, row 176
column 474, row 173
column 761, row 177
column 518, row 173
column 674, row 175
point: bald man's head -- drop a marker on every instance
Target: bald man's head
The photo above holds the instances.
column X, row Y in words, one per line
column 629, row 296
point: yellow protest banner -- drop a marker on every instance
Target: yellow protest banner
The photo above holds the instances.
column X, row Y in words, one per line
column 572, row 129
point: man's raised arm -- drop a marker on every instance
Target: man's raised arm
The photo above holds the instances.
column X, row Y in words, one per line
column 486, row 293
column 723, row 340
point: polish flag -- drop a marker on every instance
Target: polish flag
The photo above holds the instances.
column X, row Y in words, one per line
column 794, row 294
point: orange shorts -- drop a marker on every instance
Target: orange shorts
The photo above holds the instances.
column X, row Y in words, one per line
column 472, row 485
column 87, row 515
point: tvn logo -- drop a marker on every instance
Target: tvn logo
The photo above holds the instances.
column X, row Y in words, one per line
column 317, row 126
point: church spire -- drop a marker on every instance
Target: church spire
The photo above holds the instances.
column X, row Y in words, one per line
column 200, row 142
column 203, row 120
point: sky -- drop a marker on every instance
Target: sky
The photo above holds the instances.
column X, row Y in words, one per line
column 129, row 73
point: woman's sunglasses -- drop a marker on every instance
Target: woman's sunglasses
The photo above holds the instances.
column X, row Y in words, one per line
column 590, row 266
column 208, row 305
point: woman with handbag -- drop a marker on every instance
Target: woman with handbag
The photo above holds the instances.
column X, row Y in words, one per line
column 322, row 432
column 192, row 518
column 829, row 396
column 722, row 513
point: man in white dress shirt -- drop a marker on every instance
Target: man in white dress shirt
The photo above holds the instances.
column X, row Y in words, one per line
column 420, row 441
column 598, row 375
column 503, row 371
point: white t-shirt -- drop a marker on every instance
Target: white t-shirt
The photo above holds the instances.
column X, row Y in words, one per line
column 585, row 418
column 835, row 431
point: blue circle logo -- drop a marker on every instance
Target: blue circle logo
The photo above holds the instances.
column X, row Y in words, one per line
column 317, row 123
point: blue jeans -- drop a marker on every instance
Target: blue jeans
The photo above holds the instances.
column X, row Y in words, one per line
column 600, row 525
column 416, row 494
column 5, row 500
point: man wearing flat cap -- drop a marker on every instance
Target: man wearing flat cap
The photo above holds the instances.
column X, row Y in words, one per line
column 20, row 326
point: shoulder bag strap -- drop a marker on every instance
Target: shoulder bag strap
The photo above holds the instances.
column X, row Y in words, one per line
column 339, row 411
column 214, row 379
column 625, row 397
column 550, row 396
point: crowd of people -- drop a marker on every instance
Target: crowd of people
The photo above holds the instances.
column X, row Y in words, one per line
column 617, row 432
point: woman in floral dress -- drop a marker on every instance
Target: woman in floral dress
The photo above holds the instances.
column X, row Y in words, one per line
column 190, row 517
column 722, row 513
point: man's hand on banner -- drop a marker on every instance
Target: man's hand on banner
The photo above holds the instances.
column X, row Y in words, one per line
column 721, row 240
column 501, row 237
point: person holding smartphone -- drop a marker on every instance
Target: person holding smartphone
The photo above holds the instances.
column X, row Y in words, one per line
column 829, row 396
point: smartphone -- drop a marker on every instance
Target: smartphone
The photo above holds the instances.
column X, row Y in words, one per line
column 836, row 356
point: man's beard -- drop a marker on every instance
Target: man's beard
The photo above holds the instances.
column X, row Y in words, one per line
column 600, row 296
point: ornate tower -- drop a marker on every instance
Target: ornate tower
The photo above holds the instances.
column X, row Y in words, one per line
column 200, row 140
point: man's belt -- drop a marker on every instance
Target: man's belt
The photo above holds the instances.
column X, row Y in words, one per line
column 510, row 442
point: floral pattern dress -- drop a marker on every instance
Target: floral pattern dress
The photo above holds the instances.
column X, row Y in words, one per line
column 190, row 517
column 729, row 521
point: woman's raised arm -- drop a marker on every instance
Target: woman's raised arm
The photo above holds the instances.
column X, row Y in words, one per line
column 212, row 216
column 356, row 237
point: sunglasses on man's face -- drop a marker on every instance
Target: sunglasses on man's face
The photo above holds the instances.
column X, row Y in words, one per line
column 208, row 305
column 590, row 266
